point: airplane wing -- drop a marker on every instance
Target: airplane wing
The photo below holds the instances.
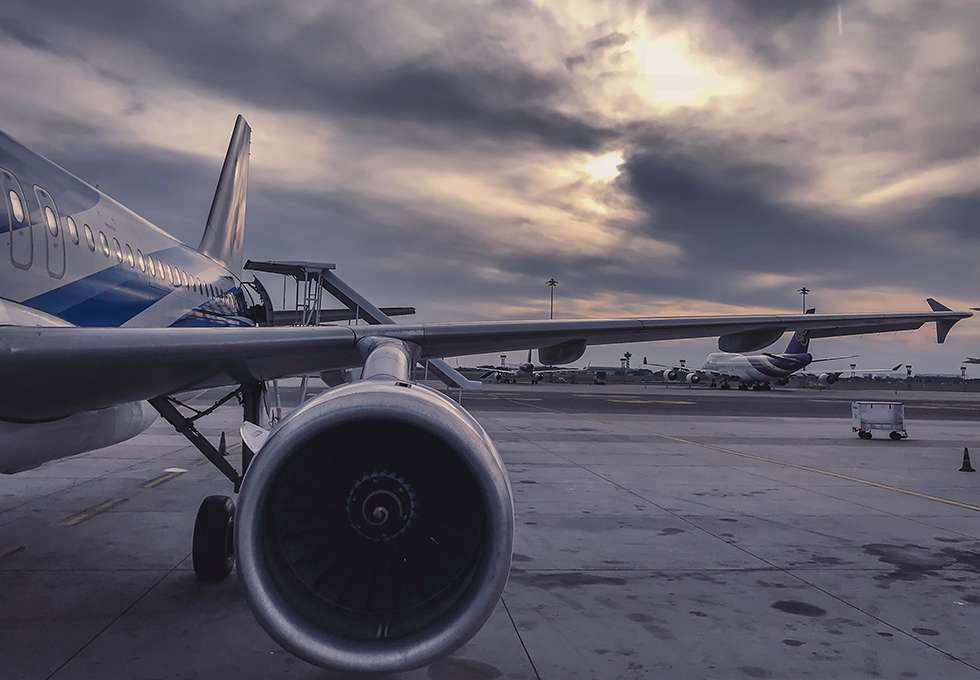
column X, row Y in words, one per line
column 50, row 372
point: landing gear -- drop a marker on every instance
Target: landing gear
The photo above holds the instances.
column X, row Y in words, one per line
column 214, row 538
column 743, row 386
column 214, row 530
column 724, row 386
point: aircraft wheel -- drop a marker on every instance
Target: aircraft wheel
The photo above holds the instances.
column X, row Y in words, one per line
column 726, row 386
column 743, row 386
column 213, row 551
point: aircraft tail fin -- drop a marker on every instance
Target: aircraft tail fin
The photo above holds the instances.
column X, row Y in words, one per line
column 800, row 342
column 225, row 231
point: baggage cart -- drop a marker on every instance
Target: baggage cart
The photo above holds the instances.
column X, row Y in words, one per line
column 887, row 416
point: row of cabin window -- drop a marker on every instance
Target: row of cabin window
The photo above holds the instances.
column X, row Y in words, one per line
column 146, row 263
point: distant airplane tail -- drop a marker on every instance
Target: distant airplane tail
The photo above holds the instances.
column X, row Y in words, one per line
column 800, row 342
column 225, row 231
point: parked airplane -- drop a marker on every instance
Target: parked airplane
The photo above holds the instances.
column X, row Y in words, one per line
column 511, row 372
column 758, row 371
column 375, row 522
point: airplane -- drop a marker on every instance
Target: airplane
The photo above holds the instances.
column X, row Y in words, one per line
column 375, row 523
column 758, row 371
column 511, row 372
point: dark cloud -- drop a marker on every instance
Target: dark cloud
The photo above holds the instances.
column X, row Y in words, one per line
column 775, row 34
column 12, row 30
column 329, row 65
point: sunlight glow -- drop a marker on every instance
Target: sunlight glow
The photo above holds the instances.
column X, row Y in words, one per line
column 605, row 167
column 670, row 74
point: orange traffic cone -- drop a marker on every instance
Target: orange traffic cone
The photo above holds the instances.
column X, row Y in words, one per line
column 222, row 448
column 966, row 461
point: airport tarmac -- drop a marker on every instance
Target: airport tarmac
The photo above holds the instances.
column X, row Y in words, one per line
column 660, row 533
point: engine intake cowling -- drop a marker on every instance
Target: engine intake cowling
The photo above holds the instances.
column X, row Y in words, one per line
column 374, row 528
column 693, row 378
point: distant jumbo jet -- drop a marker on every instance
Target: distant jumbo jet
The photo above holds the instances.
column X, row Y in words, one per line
column 758, row 371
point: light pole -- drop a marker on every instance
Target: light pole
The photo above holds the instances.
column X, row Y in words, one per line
column 803, row 291
column 552, row 283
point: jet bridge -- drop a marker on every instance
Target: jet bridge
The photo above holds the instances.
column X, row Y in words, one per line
column 313, row 278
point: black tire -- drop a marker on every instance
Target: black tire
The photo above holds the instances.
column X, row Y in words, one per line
column 214, row 538
column 895, row 436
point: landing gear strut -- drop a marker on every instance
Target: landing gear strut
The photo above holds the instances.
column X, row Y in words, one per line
column 213, row 550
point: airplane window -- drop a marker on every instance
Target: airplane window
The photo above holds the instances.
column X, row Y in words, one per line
column 89, row 237
column 50, row 220
column 117, row 249
column 130, row 257
column 105, row 243
column 170, row 275
column 141, row 260
column 17, row 206
column 183, row 278
column 150, row 267
column 72, row 230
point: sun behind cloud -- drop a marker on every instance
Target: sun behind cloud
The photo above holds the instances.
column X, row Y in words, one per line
column 605, row 167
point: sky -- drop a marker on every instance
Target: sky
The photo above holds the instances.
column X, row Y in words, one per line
column 658, row 158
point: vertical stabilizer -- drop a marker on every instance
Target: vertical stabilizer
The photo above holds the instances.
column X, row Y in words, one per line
column 800, row 342
column 225, row 231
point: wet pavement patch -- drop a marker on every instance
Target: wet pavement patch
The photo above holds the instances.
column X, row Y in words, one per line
column 915, row 562
column 925, row 631
column 793, row 643
column 754, row 672
column 462, row 669
column 670, row 531
column 799, row 608
column 571, row 579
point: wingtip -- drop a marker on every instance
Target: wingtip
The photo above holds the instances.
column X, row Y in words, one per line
column 937, row 306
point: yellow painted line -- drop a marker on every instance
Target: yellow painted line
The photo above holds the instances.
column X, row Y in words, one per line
column 525, row 398
column 92, row 512
column 165, row 477
column 824, row 472
column 632, row 401
column 10, row 550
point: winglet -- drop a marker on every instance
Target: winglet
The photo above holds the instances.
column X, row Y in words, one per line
column 225, row 231
column 942, row 325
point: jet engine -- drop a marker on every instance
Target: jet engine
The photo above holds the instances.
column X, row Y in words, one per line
column 673, row 374
column 829, row 378
column 693, row 378
column 374, row 528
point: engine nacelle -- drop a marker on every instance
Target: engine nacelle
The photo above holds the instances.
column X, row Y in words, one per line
column 783, row 381
column 829, row 378
column 375, row 528
column 672, row 374
column 693, row 378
